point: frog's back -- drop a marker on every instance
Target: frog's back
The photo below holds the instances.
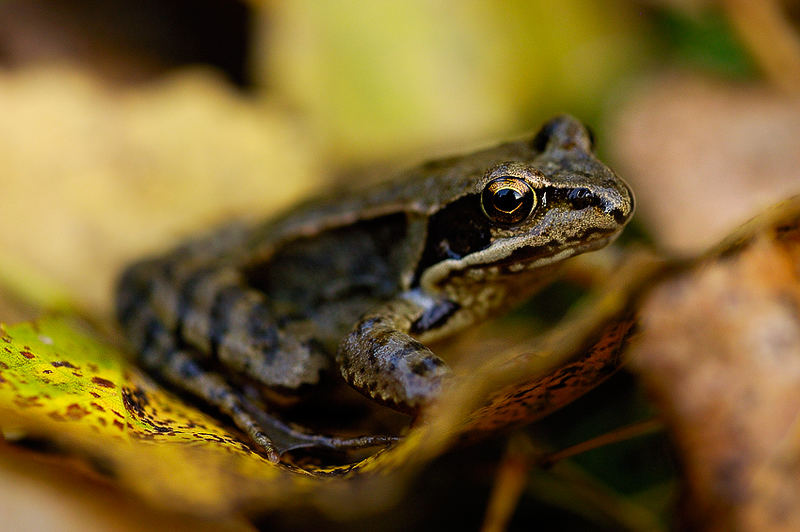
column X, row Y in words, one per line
column 420, row 190
column 333, row 275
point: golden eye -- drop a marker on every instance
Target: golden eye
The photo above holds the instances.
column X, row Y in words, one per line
column 507, row 200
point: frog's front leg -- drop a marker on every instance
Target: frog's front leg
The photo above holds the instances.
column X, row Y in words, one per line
column 380, row 359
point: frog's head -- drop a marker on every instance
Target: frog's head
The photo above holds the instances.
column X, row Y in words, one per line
column 531, row 205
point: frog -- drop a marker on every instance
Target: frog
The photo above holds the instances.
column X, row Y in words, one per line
column 360, row 282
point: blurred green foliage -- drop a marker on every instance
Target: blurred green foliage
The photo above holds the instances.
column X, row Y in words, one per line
column 704, row 41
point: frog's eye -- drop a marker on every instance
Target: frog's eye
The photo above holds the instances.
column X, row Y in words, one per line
column 507, row 200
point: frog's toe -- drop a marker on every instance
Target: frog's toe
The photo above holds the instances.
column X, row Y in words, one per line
column 301, row 441
column 419, row 378
column 281, row 438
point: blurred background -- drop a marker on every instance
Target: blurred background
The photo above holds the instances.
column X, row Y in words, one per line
column 127, row 125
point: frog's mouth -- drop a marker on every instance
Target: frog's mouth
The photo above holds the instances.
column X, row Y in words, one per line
column 532, row 256
column 522, row 257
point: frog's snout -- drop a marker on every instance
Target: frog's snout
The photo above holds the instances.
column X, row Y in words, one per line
column 619, row 203
column 615, row 202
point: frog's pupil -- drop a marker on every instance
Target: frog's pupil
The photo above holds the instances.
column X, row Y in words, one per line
column 507, row 200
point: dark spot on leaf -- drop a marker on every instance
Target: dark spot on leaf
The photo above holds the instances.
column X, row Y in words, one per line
column 102, row 421
column 62, row 364
column 103, row 382
column 25, row 402
column 117, row 414
column 98, row 407
column 95, row 395
column 47, row 371
column 119, row 425
column 76, row 411
column 133, row 402
column 27, row 354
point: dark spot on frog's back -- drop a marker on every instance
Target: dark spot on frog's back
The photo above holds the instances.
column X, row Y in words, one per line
column 260, row 328
column 219, row 315
column 188, row 287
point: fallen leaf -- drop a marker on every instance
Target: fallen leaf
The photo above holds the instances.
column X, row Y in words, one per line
column 719, row 349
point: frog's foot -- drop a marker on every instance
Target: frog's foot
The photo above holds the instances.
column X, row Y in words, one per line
column 162, row 357
column 383, row 362
column 182, row 369
column 270, row 435
column 288, row 437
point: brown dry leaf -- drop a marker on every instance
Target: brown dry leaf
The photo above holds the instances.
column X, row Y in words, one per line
column 720, row 351
column 93, row 177
column 704, row 156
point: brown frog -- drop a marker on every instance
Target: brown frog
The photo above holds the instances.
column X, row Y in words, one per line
column 362, row 281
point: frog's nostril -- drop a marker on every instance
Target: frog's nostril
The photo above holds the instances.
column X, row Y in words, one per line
column 580, row 198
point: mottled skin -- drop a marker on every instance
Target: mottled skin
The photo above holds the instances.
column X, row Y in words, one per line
column 364, row 280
